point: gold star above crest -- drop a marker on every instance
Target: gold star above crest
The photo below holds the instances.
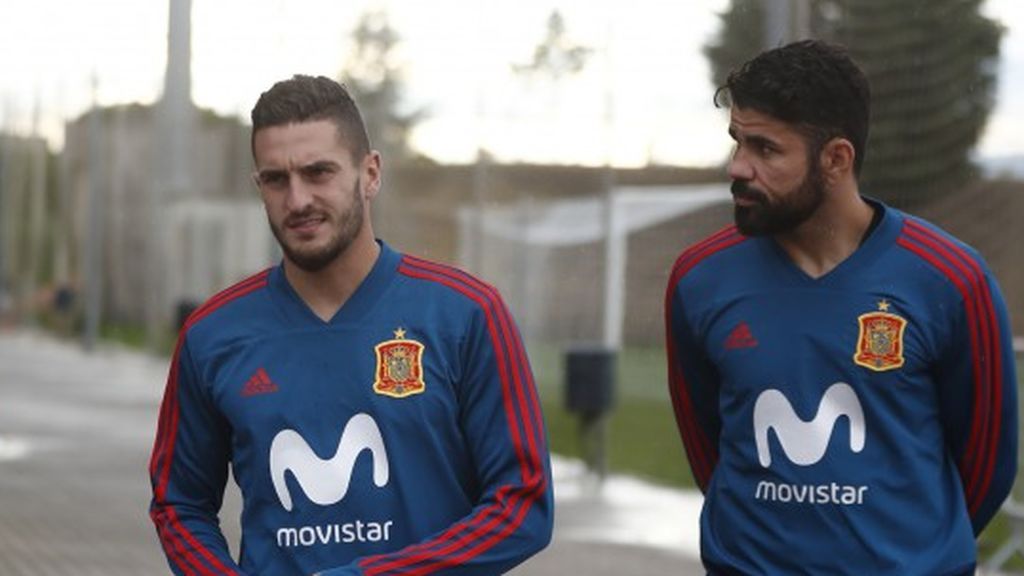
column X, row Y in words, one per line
column 400, row 334
column 883, row 305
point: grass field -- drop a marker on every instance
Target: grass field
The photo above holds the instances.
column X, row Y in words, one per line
column 642, row 438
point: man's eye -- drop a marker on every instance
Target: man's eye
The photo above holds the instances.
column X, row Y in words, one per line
column 317, row 173
column 272, row 179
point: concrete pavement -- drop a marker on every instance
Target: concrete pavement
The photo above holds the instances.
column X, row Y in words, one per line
column 75, row 434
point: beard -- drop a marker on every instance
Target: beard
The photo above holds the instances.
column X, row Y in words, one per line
column 347, row 225
column 767, row 217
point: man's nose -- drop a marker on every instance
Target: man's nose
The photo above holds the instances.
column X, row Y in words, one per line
column 739, row 168
column 299, row 195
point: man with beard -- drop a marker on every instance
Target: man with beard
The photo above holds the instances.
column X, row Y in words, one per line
column 377, row 410
column 841, row 372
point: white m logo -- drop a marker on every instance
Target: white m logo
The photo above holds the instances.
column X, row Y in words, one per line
column 326, row 481
column 805, row 442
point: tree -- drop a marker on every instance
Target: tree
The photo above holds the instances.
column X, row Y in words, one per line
column 375, row 79
column 932, row 68
column 555, row 56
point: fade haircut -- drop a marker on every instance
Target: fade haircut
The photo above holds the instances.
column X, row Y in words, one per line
column 810, row 84
column 304, row 98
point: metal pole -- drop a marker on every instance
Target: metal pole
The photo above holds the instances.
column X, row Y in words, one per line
column 777, row 18
column 785, row 21
column 173, row 166
column 594, row 427
column 479, row 180
column 37, row 210
column 614, row 246
column 4, row 302
column 3, row 224
column 802, row 19
column 614, row 271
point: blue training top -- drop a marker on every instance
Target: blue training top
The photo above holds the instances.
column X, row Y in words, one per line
column 403, row 436
column 863, row 422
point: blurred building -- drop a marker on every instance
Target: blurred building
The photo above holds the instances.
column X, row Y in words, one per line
column 23, row 240
column 200, row 238
column 160, row 206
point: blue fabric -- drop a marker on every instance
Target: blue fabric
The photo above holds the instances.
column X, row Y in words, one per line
column 863, row 422
column 405, row 433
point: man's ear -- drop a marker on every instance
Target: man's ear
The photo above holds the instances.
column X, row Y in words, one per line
column 837, row 159
column 371, row 170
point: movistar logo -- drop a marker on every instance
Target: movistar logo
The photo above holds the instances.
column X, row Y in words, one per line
column 805, row 442
column 326, row 482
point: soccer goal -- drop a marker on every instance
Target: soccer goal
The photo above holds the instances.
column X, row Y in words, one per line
column 587, row 269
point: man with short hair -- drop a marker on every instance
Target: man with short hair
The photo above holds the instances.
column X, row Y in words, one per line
column 377, row 410
column 842, row 373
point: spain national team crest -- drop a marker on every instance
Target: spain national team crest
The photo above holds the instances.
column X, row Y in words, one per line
column 880, row 344
column 399, row 367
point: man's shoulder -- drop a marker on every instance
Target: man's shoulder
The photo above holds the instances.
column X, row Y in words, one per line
column 711, row 252
column 228, row 306
column 431, row 278
column 934, row 243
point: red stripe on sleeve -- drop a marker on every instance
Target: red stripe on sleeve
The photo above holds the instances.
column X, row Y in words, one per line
column 160, row 461
column 173, row 547
column 493, row 523
column 702, row 455
column 526, row 396
column 978, row 464
column 254, row 282
column 170, row 528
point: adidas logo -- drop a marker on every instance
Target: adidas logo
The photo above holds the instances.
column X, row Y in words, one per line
column 258, row 383
column 740, row 337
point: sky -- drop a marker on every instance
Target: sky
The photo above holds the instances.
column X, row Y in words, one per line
column 644, row 96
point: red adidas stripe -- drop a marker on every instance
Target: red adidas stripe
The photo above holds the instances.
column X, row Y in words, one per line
column 450, row 275
column 452, row 533
column 702, row 455
column 254, row 282
column 501, row 356
column 519, row 363
column 494, row 523
column 169, row 408
column 171, row 535
column 978, row 465
column 521, row 511
column 980, row 306
column 167, row 429
column 433, row 558
column 174, row 548
column 968, row 463
column 724, row 235
column 160, row 468
column 163, row 450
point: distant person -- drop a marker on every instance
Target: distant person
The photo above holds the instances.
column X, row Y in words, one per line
column 64, row 307
column 377, row 410
column 6, row 303
column 842, row 372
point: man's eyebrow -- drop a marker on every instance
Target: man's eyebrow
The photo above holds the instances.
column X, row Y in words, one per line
column 315, row 165
column 319, row 165
column 758, row 140
column 268, row 172
column 755, row 139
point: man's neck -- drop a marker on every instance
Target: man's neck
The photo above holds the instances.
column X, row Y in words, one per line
column 326, row 290
column 829, row 237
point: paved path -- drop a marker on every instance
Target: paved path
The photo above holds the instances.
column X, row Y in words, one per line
column 75, row 435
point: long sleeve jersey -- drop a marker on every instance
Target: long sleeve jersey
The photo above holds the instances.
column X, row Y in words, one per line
column 403, row 436
column 862, row 422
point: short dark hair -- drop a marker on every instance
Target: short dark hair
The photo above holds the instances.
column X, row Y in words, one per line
column 812, row 84
column 304, row 98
